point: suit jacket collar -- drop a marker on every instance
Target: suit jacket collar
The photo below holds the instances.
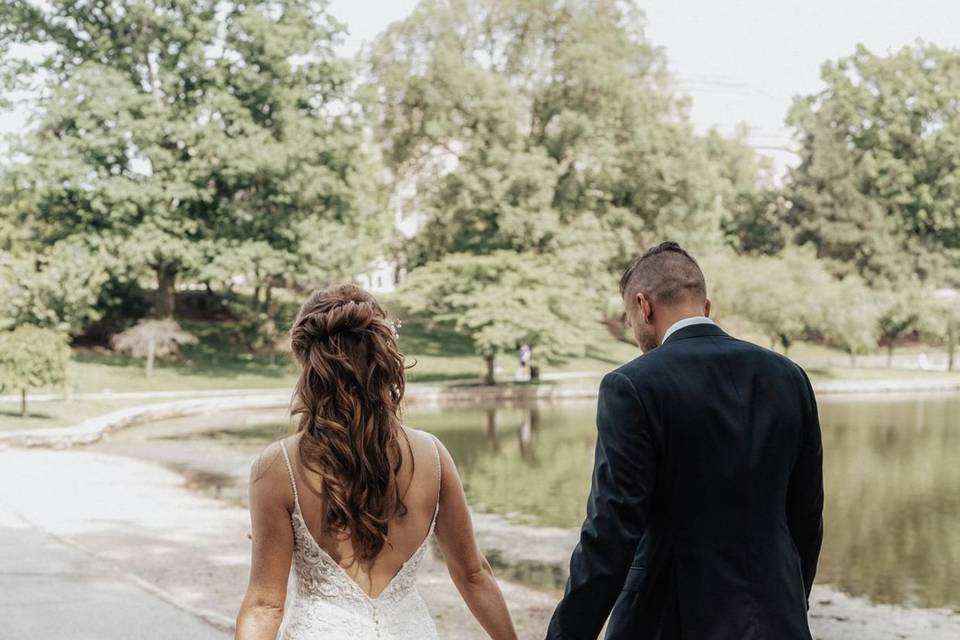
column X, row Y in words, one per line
column 695, row 331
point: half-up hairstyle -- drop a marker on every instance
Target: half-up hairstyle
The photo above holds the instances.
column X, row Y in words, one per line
column 348, row 398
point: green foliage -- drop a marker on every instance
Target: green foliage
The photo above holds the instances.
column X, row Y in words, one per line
column 941, row 326
column 57, row 287
column 850, row 316
column 754, row 222
column 901, row 314
column 878, row 187
column 521, row 124
column 32, row 358
column 786, row 297
column 174, row 132
column 501, row 301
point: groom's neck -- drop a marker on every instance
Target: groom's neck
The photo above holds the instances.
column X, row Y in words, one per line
column 673, row 316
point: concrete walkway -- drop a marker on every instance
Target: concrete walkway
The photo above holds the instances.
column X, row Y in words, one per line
column 83, row 532
column 96, row 546
column 53, row 589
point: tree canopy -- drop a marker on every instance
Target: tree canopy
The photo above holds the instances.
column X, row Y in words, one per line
column 172, row 131
column 877, row 190
column 501, row 301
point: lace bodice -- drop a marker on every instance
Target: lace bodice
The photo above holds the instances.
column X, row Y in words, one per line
column 327, row 603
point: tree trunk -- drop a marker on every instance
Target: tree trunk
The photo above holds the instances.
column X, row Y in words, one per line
column 166, row 288
column 951, row 348
column 890, row 355
column 489, row 378
column 23, row 403
column 534, row 368
column 255, row 301
column 267, row 298
column 151, row 354
column 491, row 415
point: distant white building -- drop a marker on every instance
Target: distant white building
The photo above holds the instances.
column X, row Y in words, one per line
column 381, row 278
column 385, row 274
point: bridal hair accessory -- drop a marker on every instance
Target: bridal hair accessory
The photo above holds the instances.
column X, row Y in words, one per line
column 395, row 325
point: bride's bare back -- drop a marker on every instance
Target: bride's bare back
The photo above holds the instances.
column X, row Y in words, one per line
column 425, row 493
column 419, row 483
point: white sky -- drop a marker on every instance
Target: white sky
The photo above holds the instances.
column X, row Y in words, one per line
column 739, row 60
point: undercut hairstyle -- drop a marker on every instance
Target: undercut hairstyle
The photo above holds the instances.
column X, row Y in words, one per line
column 667, row 274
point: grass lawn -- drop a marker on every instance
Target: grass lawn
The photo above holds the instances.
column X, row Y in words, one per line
column 216, row 363
column 219, row 362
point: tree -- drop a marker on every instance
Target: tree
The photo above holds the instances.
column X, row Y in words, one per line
column 171, row 130
column 941, row 325
column 850, row 317
column 55, row 288
column 901, row 313
column 754, row 222
column 878, row 186
column 151, row 339
column 500, row 301
column 510, row 124
column 32, row 358
column 787, row 297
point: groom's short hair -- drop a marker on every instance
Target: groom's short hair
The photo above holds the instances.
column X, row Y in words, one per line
column 666, row 273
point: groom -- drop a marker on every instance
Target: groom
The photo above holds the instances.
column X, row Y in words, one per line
column 704, row 520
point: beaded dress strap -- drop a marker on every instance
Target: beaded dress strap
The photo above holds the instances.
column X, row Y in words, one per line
column 293, row 483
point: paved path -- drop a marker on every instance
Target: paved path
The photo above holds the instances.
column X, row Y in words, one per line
column 52, row 589
column 115, row 528
column 105, row 547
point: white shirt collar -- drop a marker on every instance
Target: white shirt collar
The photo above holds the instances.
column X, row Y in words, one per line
column 686, row 322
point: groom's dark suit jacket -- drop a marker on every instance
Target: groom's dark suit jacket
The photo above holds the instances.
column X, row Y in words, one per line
column 704, row 520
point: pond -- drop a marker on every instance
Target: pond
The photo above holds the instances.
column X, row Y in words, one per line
column 892, row 472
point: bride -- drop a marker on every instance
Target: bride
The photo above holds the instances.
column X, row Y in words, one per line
column 351, row 499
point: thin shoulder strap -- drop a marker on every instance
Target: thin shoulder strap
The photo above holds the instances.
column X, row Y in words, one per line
column 293, row 483
column 436, row 450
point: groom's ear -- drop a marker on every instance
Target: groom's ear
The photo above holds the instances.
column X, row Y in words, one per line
column 646, row 311
column 706, row 308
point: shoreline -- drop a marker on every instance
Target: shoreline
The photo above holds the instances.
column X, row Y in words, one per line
column 140, row 520
column 421, row 394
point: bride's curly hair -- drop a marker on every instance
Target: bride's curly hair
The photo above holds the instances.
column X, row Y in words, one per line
column 348, row 398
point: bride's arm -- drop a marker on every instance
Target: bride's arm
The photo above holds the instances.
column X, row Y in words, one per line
column 470, row 571
column 272, row 548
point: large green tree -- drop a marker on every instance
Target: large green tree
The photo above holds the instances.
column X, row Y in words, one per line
column 173, row 131
column 510, row 123
column 878, row 186
column 56, row 287
column 503, row 300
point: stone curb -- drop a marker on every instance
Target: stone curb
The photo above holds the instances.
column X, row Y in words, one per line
column 92, row 429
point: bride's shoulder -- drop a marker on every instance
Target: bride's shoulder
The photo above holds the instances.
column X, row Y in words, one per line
column 270, row 466
column 421, row 438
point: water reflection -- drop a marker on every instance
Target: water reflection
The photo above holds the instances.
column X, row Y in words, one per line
column 892, row 471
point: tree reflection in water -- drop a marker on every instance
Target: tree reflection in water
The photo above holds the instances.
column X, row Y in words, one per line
column 892, row 473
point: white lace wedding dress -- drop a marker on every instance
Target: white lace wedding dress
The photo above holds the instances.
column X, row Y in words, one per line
column 327, row 604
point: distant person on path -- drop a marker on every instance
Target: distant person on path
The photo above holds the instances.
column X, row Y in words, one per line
column 350, row 501
column 524, row 353
column 704, row 519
